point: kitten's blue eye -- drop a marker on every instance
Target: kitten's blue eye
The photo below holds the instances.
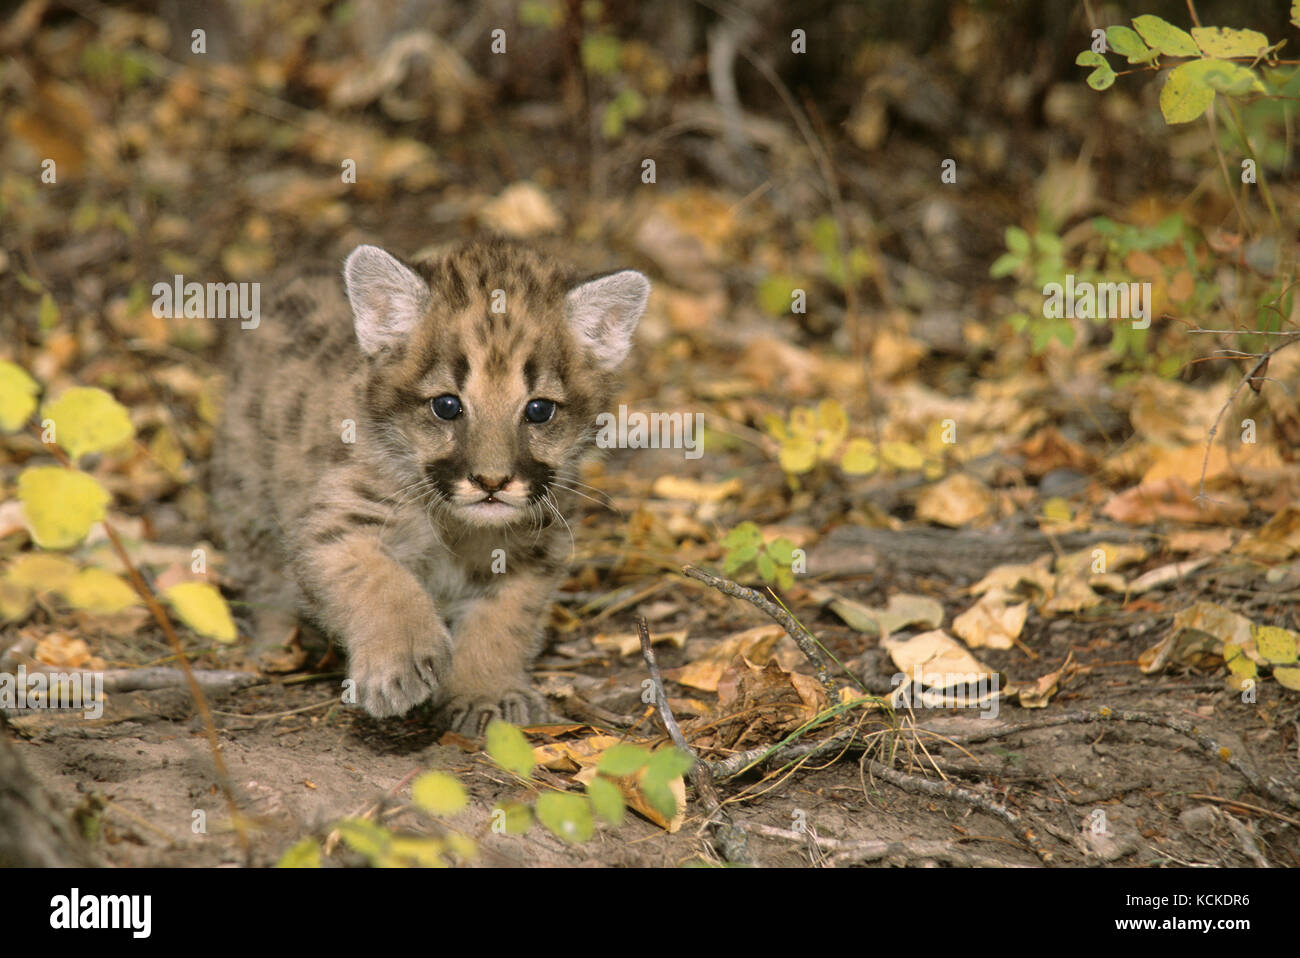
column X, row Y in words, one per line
column 539, row 410
column 445, row 407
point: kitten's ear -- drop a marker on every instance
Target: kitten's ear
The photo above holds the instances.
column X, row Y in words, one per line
column 387, row 297
column 604, row 313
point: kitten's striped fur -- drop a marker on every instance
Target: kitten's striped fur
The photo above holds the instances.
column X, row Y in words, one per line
column 389, row 542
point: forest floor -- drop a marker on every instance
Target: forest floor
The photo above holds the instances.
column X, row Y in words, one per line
column 1060, row 537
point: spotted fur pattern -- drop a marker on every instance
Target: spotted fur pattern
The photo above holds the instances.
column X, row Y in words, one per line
column 428, row 546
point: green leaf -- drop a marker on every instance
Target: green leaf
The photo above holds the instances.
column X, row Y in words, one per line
column 600, row 53
column 781, row 550
column 60, row 504
column 18, row 393
column 623, row 760
column 747, row 533
column 567, row 816
column 1100, row 78
column 305, row 854
column 1185, row 95
column 439, row 793
column 201, row 606
column 1230, row 79
column 737, row 559
column 775, row 292
column 1162, row 35
column 670, row 762
column 766, row 567
column 1017, row 240
column 606, row 799
column 509, row 749
column 665, row 765
column 48, row 315
column 88, row 420
column 1005, row 265
column 424, row 852
column 1226, row 42
column 518, row 817
column 1128, row 44
column 366, row 838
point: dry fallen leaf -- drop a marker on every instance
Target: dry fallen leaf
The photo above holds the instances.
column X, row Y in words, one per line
column 522, row 210
column 955, row 501
column 756, row 644
column 627, row 643
column 992, row 622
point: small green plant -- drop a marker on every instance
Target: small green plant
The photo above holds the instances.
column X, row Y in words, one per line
column 624, row 774
column 746, row 551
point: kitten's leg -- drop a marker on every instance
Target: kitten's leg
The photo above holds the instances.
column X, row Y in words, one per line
column 399, row 649
column 496, row 640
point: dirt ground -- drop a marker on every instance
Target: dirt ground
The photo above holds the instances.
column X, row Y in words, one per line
column 299, row 762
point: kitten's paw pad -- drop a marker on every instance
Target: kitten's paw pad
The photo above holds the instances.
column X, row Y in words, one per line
column 470, row 715
column 393, row 683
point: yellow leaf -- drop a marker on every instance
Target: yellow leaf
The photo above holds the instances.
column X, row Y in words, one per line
column 202, row 608
column 15, row 601
column 88, row 420
column 775, row 427
column 439, row 793
column 1288, row 677
column 42, row 572
column 17, row 396
column 1056, row 509
column 859, row 458
column 833, row 422
column 1276, row 644
column 97, row 590
column 60, row 504
column 798, row 455
column 901, row 455
column 803, row 422
column 1239, row 664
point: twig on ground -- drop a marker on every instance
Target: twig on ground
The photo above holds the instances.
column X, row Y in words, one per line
column 1274, row 789
column 160, row 616
column 806, row 641
column 731, row 840
column 924, row 786
column 212, row 681
column 871, row 850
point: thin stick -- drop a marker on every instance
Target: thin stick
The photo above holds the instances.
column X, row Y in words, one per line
column 196, row 691
column 732, row 842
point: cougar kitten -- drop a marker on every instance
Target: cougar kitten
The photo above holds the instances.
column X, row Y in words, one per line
column 400, row 480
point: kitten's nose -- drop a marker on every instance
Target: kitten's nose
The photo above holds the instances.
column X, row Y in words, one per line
column 490, row 484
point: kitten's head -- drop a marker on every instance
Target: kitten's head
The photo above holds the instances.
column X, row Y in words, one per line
column 488, row 368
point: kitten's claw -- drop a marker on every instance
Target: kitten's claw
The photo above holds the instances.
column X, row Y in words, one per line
column 392, row 680
column 470, row 715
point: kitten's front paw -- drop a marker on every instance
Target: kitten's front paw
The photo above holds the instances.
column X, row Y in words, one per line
column 394, row 675
column 469, row 714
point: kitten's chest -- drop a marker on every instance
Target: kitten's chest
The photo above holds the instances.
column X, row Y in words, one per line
column 451, row 570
